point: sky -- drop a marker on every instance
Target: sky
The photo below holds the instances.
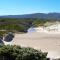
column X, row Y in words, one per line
column 18, row 7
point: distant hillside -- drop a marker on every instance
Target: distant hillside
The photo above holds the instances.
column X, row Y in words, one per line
column 36, row 15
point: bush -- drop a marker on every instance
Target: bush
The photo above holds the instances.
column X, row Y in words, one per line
column 9, row 37
column 21, row 53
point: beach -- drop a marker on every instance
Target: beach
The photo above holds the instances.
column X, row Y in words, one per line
column 46, row 42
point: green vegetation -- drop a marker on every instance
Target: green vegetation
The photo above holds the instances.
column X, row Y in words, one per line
column 15, row 25
column 21, row 25
column 39, row 22
column 21, row 53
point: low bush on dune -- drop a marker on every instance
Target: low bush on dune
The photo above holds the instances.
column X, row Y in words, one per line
column 21, row 53
column 9, row 37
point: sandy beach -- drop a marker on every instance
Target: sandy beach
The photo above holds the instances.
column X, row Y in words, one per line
column 47, row 42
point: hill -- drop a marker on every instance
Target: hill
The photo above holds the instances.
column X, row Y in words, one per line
column 35, row 15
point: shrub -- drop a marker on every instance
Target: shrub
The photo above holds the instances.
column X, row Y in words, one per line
column 9, row 37
column 21, row 53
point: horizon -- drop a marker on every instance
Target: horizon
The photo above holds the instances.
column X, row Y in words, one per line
column 18, row 7
column 31, row 13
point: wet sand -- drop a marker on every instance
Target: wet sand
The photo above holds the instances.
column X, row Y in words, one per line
column 47, row 42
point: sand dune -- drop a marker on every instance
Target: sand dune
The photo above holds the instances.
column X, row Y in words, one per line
column 46, row 42
column 47, row 39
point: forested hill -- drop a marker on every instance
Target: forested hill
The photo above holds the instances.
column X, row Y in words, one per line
column 35, row 15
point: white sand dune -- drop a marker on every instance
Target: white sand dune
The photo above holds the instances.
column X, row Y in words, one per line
column 55, row 28
column 46, row 42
